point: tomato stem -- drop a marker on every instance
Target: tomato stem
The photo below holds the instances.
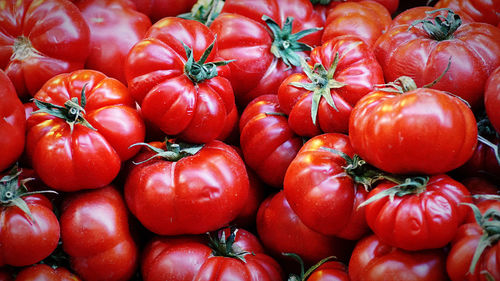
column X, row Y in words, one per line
column 305, row 274
column 204, row 11
column 174, row 151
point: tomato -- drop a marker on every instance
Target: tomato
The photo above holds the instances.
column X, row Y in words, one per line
column 487, row 11
column 480, row 186
column 420, row 214
column 322, row 192
column 266, row 50
column 320, row 98
column 365, row 19
column 45, row 272
column 330, row 271
column 29, row 230
column 492, row 99
column 95, row 234
column 483, row 161
column 391, row 130
column 422, row 51
column 373, row 260
column 40, row 39
column 158, row 9
column 186, row 95
column 235, row 256
column 267, row 141
column 82, row 150
column 191, row 190
column 12, row 123
column 115, row 26
column 323, row 6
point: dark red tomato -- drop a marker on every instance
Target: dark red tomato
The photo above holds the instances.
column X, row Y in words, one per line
column 282, row 231
column 267, row 141
column 422, row 214
column 391, row 131
column 373, row 260
column 12, row 123
column 158, row 9
column 483, row 161
column 422, row 51
column 44, row 272
column 266, row 52
column 492, row 99
column 322, row 192
column 330, row 271
column 480, row 186
column 40, row 39
column 186, row 191
column 365, row 19
column 390, row 5
column 487, row 11
column 115, row 26
column 69, row 154
column 95, row 234
column 320, row 98
column 187, row 96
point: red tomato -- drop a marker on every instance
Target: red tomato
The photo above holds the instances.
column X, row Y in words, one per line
column 320, row 98
column 266, row 140
column 158, row 9
column 40, row 39
column 45, row 272
column 265, row 54
column 390, row 5
column 115, row 26
column 422, row 51
column 391, row 131
column 423, row 214
column 373, row 260
column 330, row 271
column 69, row 155
column 322, row 192
column 95, row 234
column 483, row 161
column 480, row 186
column 487, row 11
column 12, row 123
column 174, row 94
column 187, row 192
column 492, row 99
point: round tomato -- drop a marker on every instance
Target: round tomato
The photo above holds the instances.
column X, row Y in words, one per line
column 480, row 188
column 158, row 9
column 492, row 99
column 45, row 272
column 83, row 129
column 95, row 234
column 487, row 11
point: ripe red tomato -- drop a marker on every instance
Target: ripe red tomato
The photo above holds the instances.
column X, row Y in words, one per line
column 492, row 99
column 12, row 123
column 320, row 98
column 40, row 39
column 391, row 131
column 478, row 187
column 330, row 271
column 158, row 9
column 45, row 272
column 95, row 234
column 373, row 260
column 64, row 150
column 487, row 11
column 185, row 95
column 190, row 191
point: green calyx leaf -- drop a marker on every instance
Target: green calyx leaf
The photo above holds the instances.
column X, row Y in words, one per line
column 322, row 2
column 223, row 245
column 305, row 274
column 198, row 71
column 73, row 110
column 174, row 151
column 440, row 27
column 286, row 44
column 204, row 11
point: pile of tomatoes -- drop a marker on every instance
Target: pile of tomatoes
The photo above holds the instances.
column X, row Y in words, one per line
column 249, row 140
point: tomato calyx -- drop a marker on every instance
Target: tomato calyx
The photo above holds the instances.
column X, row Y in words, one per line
column 324, row 2
column 198, row 71
column 305, row 274
column 73, row 110
column 204, row 11
column 23, row 49
column 440, row 27
column 223, row 245
column 174, row 151
column 286, row 44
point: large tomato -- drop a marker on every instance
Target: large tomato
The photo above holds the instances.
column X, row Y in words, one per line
column 158, row 9
column 423, row 49
column 83, row 130
column 44, row 272
column 95, row 234
column 187, row 190
column 392, row 130
column 338, row 74
column 265, row 49
column 487, row 11
column 115, row 26
column 492, row 99
column 373, row 260
column 40, row 39
column 322, row 189
column 267, row 141
column 12, row 123
column 183, row 92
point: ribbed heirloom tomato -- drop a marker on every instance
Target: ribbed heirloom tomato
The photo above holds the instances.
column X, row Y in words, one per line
column 492, row 99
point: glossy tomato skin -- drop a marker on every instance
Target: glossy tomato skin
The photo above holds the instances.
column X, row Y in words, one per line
column 266, row 139
column 40, row 39
column 487, row 11
column 196, row 112
column 81, row 158
column 12, row 123
column 115, row 26
column 357, row 68
column 427, row 219
column 158, row 9
column 320, row 192
column 330, row 271
column 22, row 241
column 373, row 260
column 196, row 194
column 45, row 272
column 492, row 99
column 393, row 131
column 95, row 234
